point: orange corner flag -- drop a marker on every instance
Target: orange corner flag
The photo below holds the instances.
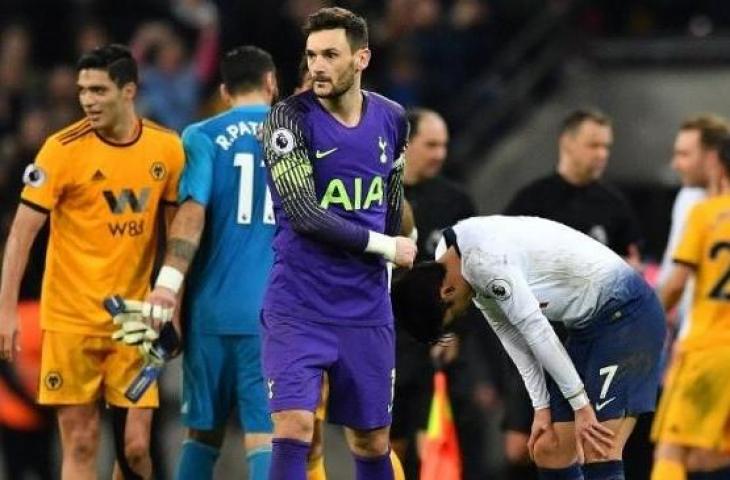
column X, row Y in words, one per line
column 441, row 456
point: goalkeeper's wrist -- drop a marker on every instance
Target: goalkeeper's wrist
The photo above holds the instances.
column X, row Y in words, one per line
column 579, row 400
column 170, row 278
column 414, row 234
column 382, row 245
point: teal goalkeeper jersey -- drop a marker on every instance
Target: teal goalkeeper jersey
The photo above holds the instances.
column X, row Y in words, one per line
column 225, row 172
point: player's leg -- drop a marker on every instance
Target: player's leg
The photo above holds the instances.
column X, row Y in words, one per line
column 315, row 466
column 71, row 378
column 79, row 429
column 399, row 447
column 694, row 420
column 714, row 463
column 253, row 409
column 133, row 420
column 609, row 466
column 294, row 355
column 708, row 464
column 518, row 412
column 292, row 440
column 670, row 456
column 132, row 428
column 258, row 455
column 621, row 371
column 209, row 379
column 200, row 451
column 640, row 329
column 370, row 462
column 371, row 450
column 362, row 383
column 669, row 462
column 374, row 459
column 677, row 462
column 315, row 462
column 515, row 446
column 556, row 454
column 397, row 466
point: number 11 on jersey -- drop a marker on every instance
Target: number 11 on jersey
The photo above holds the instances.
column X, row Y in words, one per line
column 245, row 161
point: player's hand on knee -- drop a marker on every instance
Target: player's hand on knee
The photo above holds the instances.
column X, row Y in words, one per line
column 405, row 252
column 159, row 308
column 588, row 430
column 9, row 345
column 581, row 454
column 542, row 424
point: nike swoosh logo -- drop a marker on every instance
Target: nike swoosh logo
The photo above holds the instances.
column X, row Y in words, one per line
column 600, row 405
column 319, row 154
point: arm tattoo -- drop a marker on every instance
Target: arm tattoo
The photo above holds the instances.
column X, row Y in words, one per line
column 182, row 250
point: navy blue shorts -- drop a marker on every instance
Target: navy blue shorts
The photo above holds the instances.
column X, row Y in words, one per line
column 617, row 355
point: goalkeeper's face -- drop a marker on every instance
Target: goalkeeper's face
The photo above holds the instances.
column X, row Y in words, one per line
column 334, row 67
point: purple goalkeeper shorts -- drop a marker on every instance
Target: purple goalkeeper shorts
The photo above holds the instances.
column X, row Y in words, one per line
column 359, row 361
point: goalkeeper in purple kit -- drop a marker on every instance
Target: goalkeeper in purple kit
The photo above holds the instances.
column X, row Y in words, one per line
column 335, row 161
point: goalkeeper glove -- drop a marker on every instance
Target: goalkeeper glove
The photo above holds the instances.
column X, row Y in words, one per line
column 163, row 348
column 128, row 316
column 152, row 354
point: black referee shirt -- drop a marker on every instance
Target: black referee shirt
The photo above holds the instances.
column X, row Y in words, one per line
column 597, row 209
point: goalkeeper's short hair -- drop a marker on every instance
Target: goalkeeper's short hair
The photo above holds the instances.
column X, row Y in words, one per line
column 417, row 304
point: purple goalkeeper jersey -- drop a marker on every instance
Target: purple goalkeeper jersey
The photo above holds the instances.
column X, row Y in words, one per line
column 330, row 185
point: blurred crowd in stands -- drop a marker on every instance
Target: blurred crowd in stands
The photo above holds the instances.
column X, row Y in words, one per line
column 424, row 50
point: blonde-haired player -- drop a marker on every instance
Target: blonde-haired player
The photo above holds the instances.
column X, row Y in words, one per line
column 692, row 425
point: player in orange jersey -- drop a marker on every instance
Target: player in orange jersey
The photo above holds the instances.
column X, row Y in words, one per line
column 103, row 182
column 692, row 425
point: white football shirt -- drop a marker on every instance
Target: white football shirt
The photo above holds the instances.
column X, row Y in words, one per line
column 526, row 271
column 687, row 197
